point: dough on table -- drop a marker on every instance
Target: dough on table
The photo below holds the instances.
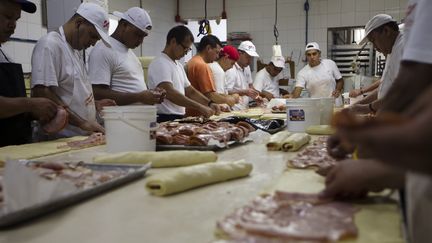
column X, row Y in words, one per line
column 295, row 141
column 275, row 142
column 182, row 179
column 159, row 159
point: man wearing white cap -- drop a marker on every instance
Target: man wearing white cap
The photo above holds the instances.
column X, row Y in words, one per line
column 59, row 71
column 116, row 72
column 239, row 78
column 321, row 77
column 266, row 80
column 383, row 32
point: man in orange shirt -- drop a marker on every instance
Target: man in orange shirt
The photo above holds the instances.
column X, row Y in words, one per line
column 200, row 74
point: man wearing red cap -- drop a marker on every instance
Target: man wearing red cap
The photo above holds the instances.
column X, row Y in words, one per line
column 200, row 74
column 227, row 58
column 16, row 110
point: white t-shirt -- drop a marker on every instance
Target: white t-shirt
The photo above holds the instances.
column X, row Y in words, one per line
column 320, row 81
column 418, row 43
column 238, row 78
column 56, row 63
column 4, row 57
column 164, row 69
column 265, row 82
column 391, row 69
column 117, row 67
column 218, row 78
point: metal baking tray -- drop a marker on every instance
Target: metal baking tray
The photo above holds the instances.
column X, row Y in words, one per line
column 161, row 147
column 20, row 216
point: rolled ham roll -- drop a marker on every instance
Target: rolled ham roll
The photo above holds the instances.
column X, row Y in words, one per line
column 295, row 141
column 183, row 179
column 275, row 142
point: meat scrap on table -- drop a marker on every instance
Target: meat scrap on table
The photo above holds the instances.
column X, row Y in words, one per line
column 314, row 155
column 290, row 217
column 174, row 133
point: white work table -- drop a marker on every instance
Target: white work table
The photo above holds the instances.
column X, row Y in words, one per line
column 130, row 214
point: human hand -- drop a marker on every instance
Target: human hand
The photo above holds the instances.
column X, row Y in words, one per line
column 359, row 108
column 336, row 149
column 336, row 93
column 216, row 109
column 252, row 93
column 153, row 96
column 354, row 93
column 104, row 102
column 92, row 127
column 230, row 100
column 42, row 109
column 236, row 98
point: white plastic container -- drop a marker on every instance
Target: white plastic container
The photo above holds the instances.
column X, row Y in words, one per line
column 302, row 113
column 130, row 128
column 327, row 107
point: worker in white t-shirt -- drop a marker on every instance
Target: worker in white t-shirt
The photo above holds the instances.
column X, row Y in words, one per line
column 239, row 78
column 166, row 72
column 321, row 77
column 383, row 31
column 59, row 71
column 267, row 80
column 116, row 72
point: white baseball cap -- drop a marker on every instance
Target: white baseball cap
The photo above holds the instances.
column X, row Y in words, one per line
column 27, row 6
column 249, row 48
column 138, row 17
column 278, row 61
column 97, row 16
column 312, row 46
column 375, row 22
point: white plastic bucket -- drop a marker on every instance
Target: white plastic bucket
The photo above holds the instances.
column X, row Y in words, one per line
column 302, row 113
column 130, row 128
column 327, row 107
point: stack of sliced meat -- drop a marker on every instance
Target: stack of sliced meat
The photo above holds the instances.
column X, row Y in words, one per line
column 314, row 155
column 290, row 217
column 93, row 140
column 174, row 133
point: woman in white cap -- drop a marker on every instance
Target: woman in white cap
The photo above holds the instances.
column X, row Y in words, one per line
column 16, row 110
column 267, row 81
column 239, row 78
column 59, row 71
column 116, row 72
column 321, row 77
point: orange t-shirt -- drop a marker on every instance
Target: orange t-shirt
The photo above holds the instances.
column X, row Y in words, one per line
column 200, row 77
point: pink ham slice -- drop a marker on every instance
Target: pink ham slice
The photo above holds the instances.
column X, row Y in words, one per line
column 58, row 122
column 290, row 217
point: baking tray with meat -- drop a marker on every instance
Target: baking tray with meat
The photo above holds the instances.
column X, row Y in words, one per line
column 271, row 125
column 108, row 177
column 211, row 135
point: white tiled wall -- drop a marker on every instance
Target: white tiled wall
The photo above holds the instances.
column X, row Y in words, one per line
column 29, row 26
column 257, row 18
column 162, row 14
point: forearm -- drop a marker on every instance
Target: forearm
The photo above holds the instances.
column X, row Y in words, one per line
column 121, row 98
column 13, row 106
column 371, row 87
column 216, row 97
column 340, row 85
column 404, row 91
column 387, row 176
column 369, row 98
column 197, row 96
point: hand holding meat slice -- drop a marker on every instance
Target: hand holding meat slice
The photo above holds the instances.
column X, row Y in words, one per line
column 351, row 179
column 58, row 123
column 42, row 109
